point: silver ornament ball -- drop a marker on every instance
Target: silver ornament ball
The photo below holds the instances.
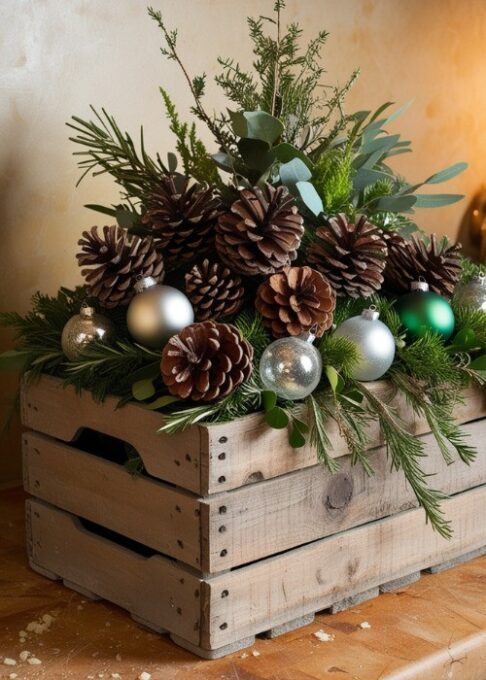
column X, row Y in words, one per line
column 291, row 367
column 375, row 342
column 157, row 313
column 472, row 294
column 83, row 329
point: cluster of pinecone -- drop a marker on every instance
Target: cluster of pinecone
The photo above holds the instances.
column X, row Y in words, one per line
column 258, row 236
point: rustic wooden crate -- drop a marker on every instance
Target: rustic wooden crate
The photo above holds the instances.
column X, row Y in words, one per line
column 231, row 533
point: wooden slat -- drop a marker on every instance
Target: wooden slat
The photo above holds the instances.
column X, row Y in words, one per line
column 275, row 590
column 145, row 510
column 266, row 518
column 204, row 459
column 154, row 589
column 247, row 450
column 60, row 412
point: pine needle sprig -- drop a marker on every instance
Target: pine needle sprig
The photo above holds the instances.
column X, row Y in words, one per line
column 318, row 415
column 340, row 352
column 436, row 405
column 109, row 150
column 427, row 359
column 406, row 451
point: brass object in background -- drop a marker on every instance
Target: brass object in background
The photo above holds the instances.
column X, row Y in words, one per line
column 472, row 232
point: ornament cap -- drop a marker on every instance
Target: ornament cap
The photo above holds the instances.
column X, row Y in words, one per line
column 143, row 283
column 481, row 279
column 421, row 284
column 371, row 314
column 86, row 311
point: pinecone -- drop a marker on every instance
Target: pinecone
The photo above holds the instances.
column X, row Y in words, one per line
column 206, row 361
column 213, row 290
column 182, row 219
column 437, row 263
column 295, row 300
column 352, row 256
column 262, row 232
column 114, row 261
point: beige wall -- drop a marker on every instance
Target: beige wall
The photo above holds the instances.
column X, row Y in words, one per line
column 59, row 56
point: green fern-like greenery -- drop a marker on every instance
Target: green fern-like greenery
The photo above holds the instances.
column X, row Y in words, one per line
column 333, row 180
column 195, row 158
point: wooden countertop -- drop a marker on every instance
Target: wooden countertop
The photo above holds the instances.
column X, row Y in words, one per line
column 433, row 630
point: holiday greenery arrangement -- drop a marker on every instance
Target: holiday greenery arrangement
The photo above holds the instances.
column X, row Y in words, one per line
column 252, row 278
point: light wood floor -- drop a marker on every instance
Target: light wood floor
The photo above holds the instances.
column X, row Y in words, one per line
column 433, row 630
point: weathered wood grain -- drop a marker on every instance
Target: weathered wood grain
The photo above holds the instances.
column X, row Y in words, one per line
column 145, row 510
column 275, row 590
column 204, row 459
column 262, row 519
column 154, row 589
column 247, row 450
column 50, row 408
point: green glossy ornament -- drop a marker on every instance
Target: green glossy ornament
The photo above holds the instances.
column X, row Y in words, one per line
column 422, row 311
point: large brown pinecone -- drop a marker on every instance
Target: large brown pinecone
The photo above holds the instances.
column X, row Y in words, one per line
column 206, row 361
column 438, row 263
column 114, row 261
column 182, row 218
column 351, row 255
column 213, row 290
column 262, row 231
column 295, row 300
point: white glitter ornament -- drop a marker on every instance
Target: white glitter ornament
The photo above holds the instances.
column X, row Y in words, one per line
column 291, row 367
column 375, row 342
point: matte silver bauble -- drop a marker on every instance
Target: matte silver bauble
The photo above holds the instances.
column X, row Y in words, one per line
column 472, row 294
column 291, row 367
column 83, row 329
column 157, row 313
column 375, row 342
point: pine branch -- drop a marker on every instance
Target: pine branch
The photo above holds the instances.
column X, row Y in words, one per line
column 109, row 150
column 406, row 451
column 436, row 405
column 318, row 413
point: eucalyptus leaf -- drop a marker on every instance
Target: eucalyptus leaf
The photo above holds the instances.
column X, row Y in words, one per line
column 465, row 340
column 143, row 389
column 256, row 125
column 436, row 200
column 447, row 174
column 255, row 153
column 366, row 177
column 224, row 161
column 277, row 418
column 294, row 171
column 310, row 197
column 285, row 152
column 396, row 203
column 380, row 145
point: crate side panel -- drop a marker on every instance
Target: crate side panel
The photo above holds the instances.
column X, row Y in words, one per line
column 268, row 517
column 154, row 589
column 60, row 412
column 103, row 492
column 268, row 593
column 247, row 450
